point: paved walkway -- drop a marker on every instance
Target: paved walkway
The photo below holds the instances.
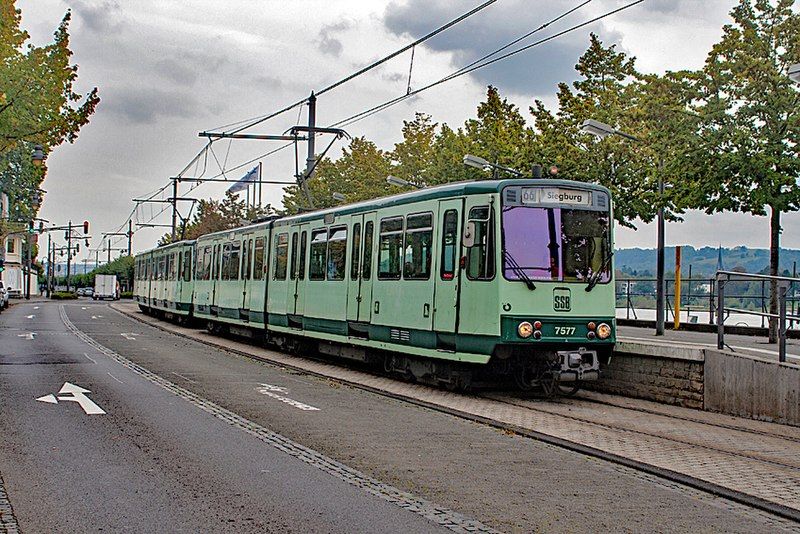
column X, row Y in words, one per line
column 752, row 345
column 753, row 458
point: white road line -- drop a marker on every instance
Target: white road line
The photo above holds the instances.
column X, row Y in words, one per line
column 184, row 377
column 36, row 307
column 28, row 336
column 129, row 336
column 30, row 316
column 90, row 358
column 114, row 377
column 272, row 391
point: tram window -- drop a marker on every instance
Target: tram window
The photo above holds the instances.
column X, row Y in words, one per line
column 258, row 262
column 226, row 260
column 233, row 265
column 187, row 265
column 337, row 253
column 281, row 255
column 206, row 271
column 418, row 247
column 355, row 253
column 245, row 259
column 366, row 268
column 293, row 272
column 302, row 265
column 161, row 263
column 319, row 245
column 215, row 262
column 449, row 244
column 480, row 257
column 390, row 248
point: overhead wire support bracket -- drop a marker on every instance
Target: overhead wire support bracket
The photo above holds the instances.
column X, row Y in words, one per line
column 224, row 135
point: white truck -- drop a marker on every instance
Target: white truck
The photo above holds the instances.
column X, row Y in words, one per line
column 106, row 287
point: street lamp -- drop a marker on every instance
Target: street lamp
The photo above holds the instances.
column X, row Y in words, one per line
column 399, row 182
column 602, row 130
column 484, row 165
column 794, row 72
column 38, row 155
column 338, row 197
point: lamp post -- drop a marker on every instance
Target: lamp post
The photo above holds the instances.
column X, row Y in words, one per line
column 484, row 165
column 603, row 130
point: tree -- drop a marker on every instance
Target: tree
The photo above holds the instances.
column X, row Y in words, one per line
column 218, row 215
column 750, row 113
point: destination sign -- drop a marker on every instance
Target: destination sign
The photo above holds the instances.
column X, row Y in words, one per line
column 556, row 195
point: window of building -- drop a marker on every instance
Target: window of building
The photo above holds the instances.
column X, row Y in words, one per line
column 390, row 248
column 258, row 261
column 449, row 244
column 319, row 248
column 337, row 253
column 480, row 256
column 281, row 255
column 10, row 245
column 355, row 253
column 366, row 267
column 293, row 270
column 418, row 247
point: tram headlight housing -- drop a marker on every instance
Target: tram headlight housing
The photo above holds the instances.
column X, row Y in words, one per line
column 525, row 329
column 603, row 331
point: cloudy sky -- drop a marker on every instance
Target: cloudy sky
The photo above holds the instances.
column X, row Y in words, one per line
column 167, row 70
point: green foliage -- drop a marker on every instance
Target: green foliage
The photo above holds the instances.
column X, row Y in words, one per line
column 63, row 295
column 216, row 216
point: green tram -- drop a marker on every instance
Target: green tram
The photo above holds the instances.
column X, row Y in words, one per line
column 510, row 277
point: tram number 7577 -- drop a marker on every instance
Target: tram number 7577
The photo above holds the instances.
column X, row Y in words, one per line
column 564, row 330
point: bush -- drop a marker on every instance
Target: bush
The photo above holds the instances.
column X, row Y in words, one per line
column 63, row 295
column 126, row 295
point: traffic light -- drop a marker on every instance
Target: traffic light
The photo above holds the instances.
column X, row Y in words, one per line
column 2, row 265
column 77, row 247
column 85, row 227
column 30, row 227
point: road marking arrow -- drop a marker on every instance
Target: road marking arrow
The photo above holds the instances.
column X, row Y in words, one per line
column 30, row 316
column 72, row 393
column 272, row 391
column 129, row 336
column 97, row 316
column 36, row 307
column 29, row 335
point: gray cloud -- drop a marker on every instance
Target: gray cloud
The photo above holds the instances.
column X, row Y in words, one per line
column 176, row 71
column 148, row 105
column 537, row 71
column 327, row 43
column 99, row 16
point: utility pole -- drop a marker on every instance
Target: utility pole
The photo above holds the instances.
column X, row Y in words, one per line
column 28, row 266
column 660, row 282
column 174, row 209
column 130, row 235
column 310, row 157
column 69, row 250
column 49, row 264
column 96, row 258
column 260, row 185
column 109, row 246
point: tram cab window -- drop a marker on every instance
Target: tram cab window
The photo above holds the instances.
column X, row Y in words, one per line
column 366, row 267
column 281, row 255
column 418, row 247
column 337, row 253
column 449, row 244
column 319, row 248
column 258, row 262
column 390, row 249
column 355, row 252
column 480, row 256
column 293, row 271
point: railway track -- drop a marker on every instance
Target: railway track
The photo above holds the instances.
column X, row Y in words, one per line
column 749, row 462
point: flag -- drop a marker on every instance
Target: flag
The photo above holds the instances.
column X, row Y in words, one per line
column 244, row 182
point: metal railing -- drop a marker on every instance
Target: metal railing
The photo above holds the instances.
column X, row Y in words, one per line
column 700, row 295
column 783, row 283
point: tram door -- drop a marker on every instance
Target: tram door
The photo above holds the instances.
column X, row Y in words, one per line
column 246, row 272
column 359, row 275
column 299, row 271
column 447, row 273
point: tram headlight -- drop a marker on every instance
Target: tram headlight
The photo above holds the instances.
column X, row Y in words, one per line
column 525, row 329
column 603, row 330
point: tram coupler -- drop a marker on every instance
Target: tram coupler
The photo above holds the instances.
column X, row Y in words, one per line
column 579, row 364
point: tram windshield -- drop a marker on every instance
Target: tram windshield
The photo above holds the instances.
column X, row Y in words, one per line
column 570, row 245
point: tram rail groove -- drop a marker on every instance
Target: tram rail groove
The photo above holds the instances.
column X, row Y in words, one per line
column 717, row 490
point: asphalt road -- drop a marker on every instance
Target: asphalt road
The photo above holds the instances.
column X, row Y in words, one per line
column 198, row 439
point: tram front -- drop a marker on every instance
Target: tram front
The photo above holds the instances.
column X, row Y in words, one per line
column 557, row 292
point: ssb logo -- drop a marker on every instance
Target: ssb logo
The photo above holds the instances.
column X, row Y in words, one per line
column 561, row 299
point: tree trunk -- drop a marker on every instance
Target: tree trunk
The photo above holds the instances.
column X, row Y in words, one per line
column 774, row 256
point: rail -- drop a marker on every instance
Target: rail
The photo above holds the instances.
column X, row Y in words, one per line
column 783, row 284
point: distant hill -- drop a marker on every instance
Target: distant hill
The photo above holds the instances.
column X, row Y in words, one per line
column 642, row 262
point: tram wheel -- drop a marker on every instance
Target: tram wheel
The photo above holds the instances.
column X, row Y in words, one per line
column 569, row 389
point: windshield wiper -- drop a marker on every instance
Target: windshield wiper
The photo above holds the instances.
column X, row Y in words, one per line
column 596, row 276
column 519, row 271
